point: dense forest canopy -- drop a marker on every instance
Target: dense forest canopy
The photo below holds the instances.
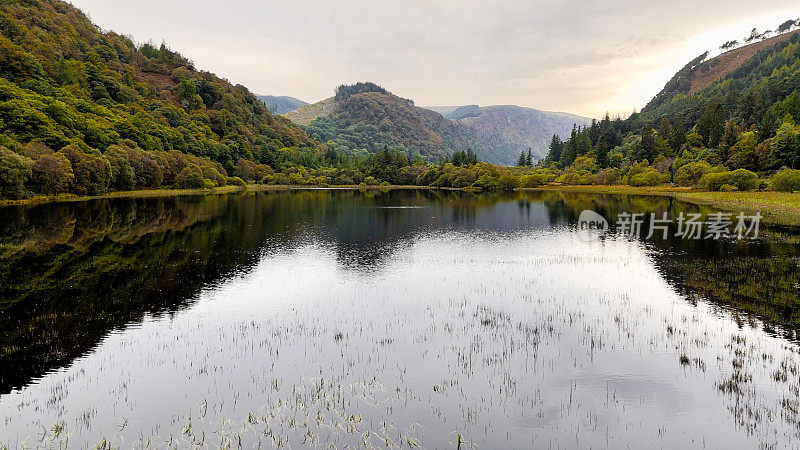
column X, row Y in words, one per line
column 95, row 105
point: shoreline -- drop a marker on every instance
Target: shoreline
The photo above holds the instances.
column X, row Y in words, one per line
column 781, row 208
column 778, row 208
column 148, row 193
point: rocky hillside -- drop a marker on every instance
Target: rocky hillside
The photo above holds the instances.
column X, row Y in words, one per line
column 281, row 104
column 514, row 128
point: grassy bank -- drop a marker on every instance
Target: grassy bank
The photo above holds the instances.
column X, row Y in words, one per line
column 781, row 208
column 144, row 193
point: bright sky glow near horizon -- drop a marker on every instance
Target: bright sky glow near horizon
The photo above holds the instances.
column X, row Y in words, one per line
column 586, row 57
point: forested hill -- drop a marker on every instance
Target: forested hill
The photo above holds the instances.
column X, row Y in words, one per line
column 718, row 124
column 68, row 87
column 365, row 118
column 742, row 72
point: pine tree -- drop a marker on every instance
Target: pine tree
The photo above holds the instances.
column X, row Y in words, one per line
column 555, row 149
column 521, row 160
column 529, row 158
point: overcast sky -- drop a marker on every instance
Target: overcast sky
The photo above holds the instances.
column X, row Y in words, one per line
column 585, row 57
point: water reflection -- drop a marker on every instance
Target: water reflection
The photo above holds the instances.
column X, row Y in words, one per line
column 72, row 273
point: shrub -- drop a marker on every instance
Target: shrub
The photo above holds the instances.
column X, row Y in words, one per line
column 428, row 177
column 575, row 178
column 486, row 182
column 52, row 174
column 507, row 182
column 463, row 178
column 786, row 180
column 295, row 178
column 689, row 174
column 370, row 181
column 236, row 181
column 443, row 181
column 250, row 171
column 608, row 176
column 531, row 181
column 741, row 179
column 15, row 170
column 650, row 177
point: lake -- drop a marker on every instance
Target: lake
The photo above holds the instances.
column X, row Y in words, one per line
column 401, row 318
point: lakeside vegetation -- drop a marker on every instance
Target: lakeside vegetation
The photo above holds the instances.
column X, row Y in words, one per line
column 86, row 112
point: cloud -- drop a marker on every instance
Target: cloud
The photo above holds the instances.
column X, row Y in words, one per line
column 584, row 57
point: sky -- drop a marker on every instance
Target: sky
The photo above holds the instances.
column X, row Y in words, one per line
column 585, row 57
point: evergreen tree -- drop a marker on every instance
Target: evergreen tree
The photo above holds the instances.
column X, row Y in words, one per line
column 555, row 149
column 521, row 160
column 529, row 158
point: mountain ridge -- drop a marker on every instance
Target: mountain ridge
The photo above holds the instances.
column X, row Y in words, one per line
column 497, row 133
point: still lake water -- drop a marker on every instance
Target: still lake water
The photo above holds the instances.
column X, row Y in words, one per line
column 401, row 318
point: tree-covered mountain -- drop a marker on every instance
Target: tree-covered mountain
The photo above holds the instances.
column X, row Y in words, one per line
column 364, row 118
column 717, row 124
column 87, row 111
column 281, row 104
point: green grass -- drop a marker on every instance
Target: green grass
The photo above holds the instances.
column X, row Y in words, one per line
column 781, row 208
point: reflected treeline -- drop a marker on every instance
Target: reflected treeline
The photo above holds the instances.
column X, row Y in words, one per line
column 759, row 276
column 72, row 272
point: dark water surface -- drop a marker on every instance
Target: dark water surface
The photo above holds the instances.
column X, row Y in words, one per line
column 401, row 318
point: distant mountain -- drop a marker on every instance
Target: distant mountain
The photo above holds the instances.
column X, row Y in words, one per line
column 281, row 104
column 515, row 128
column 463, row 112
column 365, row 118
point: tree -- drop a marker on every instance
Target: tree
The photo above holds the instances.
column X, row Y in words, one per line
column 529, row 158
column 122, row 174
column 647, row 148
column 554, row 155
column 785, row 148
column 52, row 174
column 786, row 26
column 521, row 159
column 712, row 124
column 15, row 170
column 92, row 171
column 754, row 34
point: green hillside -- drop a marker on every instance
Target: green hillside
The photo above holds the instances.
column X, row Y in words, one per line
column 105, row 113
column 718, row 124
